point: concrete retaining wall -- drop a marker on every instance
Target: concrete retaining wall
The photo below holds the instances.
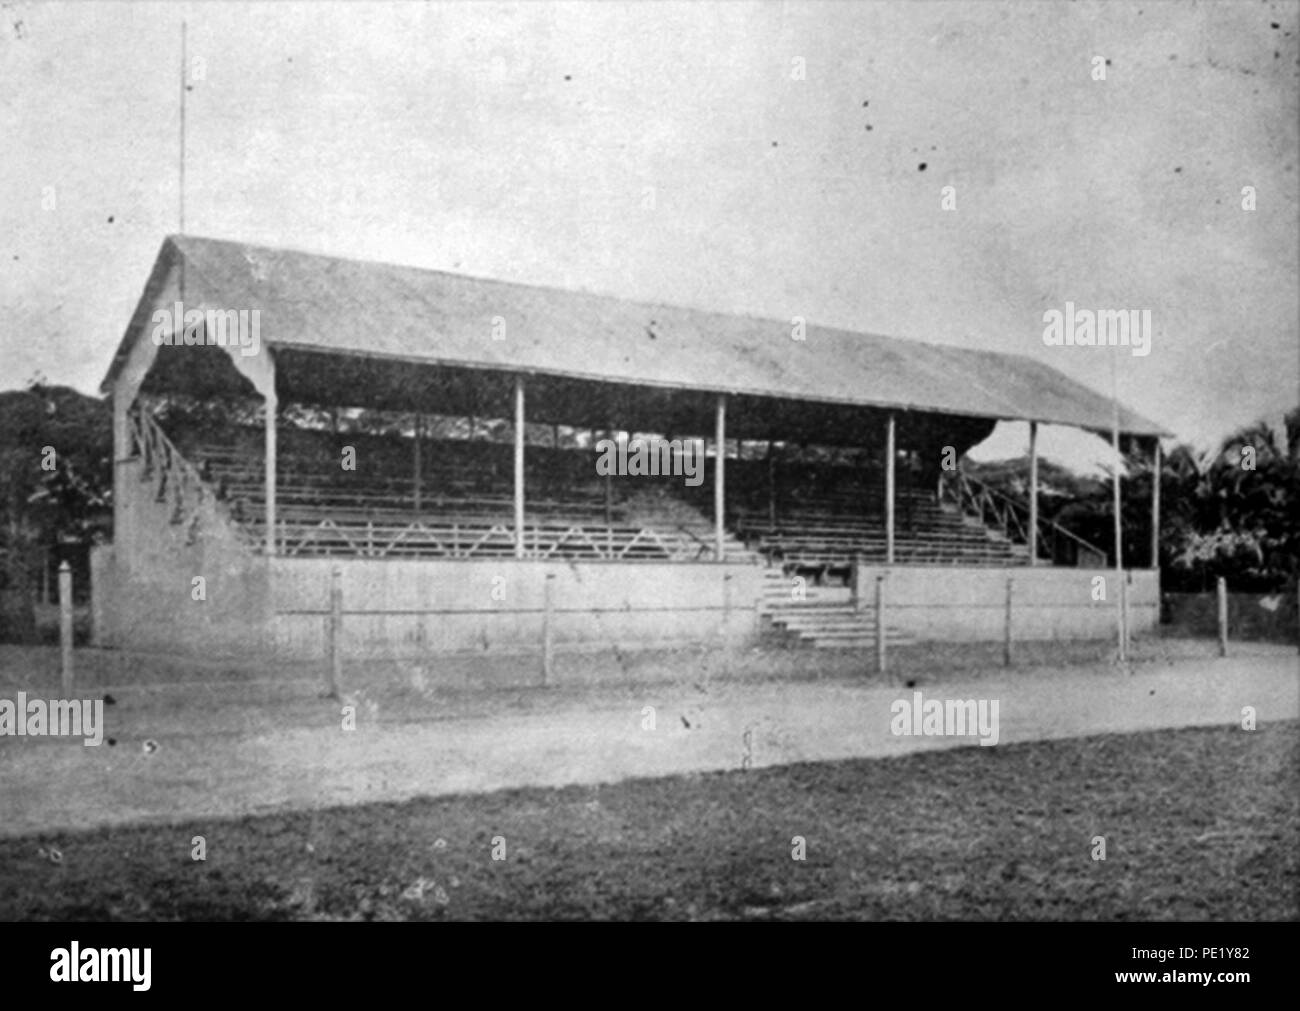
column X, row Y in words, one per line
column 396, row 608
column 969, row 604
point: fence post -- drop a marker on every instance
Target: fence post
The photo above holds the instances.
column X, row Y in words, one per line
column 65, row 625
column 548, row 651
column 1222, row 587
column 726, row 624
column 1006, row 635
column 334, row 675
column 855, row 583
column 880, row 624
column 1126, row 586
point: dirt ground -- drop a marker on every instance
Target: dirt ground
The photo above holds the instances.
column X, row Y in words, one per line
column 229, row 741
column 1199, row 824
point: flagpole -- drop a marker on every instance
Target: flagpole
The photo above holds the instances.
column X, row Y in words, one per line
column 1121, row 622
column 180, row 193
column 181, row 189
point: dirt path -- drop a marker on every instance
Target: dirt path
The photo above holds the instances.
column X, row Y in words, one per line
column 288, row 750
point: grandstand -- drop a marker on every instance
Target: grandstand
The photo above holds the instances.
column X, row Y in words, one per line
column 447, row 467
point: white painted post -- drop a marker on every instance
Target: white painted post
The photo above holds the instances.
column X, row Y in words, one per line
column 1006, row 634
column 1119, row 554
column 609, row 496
column 548, row 645
column 1156, row 469
column 719, row 478
column 335, row 645
column 889, row 490
column 1033, row 493
column 65, row 626
column 271, row 410
column 771, row 486
column 1222, row 588
column 1126, row 586
column 726, row 607
column 419, row 422
column 519, row 467
column 880, row 624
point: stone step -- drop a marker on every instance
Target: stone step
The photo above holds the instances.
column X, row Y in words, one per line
column 825, row 626
column 824, row 619
column 812, row 596
column 859, row 643
column 798, row 611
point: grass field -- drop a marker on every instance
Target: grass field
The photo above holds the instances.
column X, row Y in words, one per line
column 1200, row 824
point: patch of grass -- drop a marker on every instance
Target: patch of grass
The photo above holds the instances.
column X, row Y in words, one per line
column 1200, row 824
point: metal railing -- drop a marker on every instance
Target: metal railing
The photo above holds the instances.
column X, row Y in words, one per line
column 976, row 499
column 175, row 479
column 430, row 537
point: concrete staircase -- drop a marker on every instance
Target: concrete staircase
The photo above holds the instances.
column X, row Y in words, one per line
column 820, row 617
column 657, row 507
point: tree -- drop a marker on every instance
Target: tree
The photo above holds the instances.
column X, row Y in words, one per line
column 1237, row 511
column 1233, row 512
column 55, row 480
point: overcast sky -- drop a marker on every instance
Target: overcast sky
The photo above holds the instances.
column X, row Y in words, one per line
column 518, row 142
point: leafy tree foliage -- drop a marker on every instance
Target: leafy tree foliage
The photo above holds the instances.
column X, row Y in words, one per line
column 1233, row 512
column 56, row 448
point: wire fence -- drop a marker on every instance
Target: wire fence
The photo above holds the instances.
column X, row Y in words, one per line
column 1251, row 617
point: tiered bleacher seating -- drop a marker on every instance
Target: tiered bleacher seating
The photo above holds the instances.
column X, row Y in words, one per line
column 821, row 518
column 465, row 506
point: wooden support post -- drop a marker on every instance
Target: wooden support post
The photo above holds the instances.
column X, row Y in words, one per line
column 1126, row 586
column 418, row 461
column 609, row 490
column 519, row 467
column 855, row 583
column 548, row 633
column 771, row 485
column 889, row 489
column 1222, row 590
column 880, row 624
column 272, row 409
column 1006, row 632
column 719, row 478
column 726, row 607
column 334, row 646
column 726, row 624
column 1033, row 494
column 65, row 627
column 1157, row 466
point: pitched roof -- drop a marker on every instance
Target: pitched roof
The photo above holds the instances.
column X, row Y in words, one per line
column 351, row 307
